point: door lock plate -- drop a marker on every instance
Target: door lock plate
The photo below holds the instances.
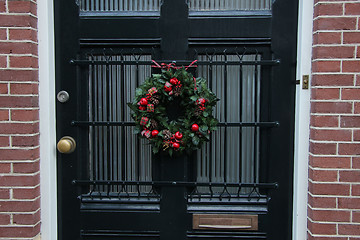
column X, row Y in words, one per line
column 305, row 82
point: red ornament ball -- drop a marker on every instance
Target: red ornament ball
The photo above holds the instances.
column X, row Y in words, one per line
column 195, row 127
column 176, row 145
column 178, row 135
column 167, row 89
column 154, row 133
column 142, row 108
column 174, row 81
column 201, row 101
column 143, row 101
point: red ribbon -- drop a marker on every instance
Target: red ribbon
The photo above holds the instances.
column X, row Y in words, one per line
column 171, row 65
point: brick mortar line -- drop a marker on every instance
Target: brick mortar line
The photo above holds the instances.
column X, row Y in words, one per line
column 21, row 135
column 336, row 197
column 313, row 60
column 329, row 209
column 20, row 148
column 335, row 87
column 335, row 169
column 17, row 14
column 18, row 225
column 331, row 236
column 19, row 28
column 30, row 213
column 335, row 128
column 339, row 2
column 335, row 100
column 19, row 69
column 18, row 41
column 331, row 73
column 18, row 95
column 332, row 141
column 334, row 16
column 327, row 155
column 19, row 108
column 22, row 226
column 23, row 200
column 19, row 187
column 339, row 183
column 20, row 55
column 19, row 82
column 19, row 161
column 331, row 222
column 20, row 174
column 335, row 31
column 335, row 114
column 27, row 122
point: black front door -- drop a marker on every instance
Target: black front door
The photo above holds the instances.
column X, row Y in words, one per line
column 237, row 186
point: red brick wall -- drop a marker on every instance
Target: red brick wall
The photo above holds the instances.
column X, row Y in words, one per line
column 334, row 172
column 19, row 121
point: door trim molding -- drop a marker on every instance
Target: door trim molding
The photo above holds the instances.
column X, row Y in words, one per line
column 302, row 121
column 48, row 183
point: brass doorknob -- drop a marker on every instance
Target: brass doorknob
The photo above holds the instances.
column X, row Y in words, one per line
column 66, row 145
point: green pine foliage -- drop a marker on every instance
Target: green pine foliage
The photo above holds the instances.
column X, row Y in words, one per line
column 191, row 91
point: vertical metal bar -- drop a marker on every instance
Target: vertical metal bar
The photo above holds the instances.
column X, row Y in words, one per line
column 138, row 145
column 225, row 116
column 123, row 92
column 91, row 118
column 241, row 119
column 210, row 158
column 113, row 118
column 255, row 118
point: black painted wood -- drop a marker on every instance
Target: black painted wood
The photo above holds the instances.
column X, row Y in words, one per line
column 177, row 35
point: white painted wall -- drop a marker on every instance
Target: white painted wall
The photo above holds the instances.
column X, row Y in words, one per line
column 302, row 121
column 47, row 120
column 48, row 131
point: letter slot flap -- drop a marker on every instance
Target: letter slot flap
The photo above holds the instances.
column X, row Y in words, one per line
column 225, row 222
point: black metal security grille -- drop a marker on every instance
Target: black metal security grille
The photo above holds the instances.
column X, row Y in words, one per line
column 121, row 163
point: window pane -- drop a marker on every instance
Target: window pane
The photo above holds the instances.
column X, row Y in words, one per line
column 116, row 153
column 120, row 5
column 232, row 154
column 228, row 5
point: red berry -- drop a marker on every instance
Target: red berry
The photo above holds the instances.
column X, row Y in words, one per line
column 173, row 81
column 178, row 135
column 143, row 101
column 176, row 145
column 142, row 108
column 195, row 127
column 154, row 133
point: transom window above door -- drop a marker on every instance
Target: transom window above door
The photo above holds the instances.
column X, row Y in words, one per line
column 152, row 7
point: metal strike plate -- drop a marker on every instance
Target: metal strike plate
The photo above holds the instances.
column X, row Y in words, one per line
column 225, row 222
column 63, row 96
column 305, row 82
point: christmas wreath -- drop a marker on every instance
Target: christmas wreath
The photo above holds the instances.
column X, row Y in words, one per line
column 174, row 90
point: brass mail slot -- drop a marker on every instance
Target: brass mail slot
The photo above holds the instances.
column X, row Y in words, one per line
column 225, row 222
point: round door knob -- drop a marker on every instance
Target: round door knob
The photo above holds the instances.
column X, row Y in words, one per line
column 66, row 145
